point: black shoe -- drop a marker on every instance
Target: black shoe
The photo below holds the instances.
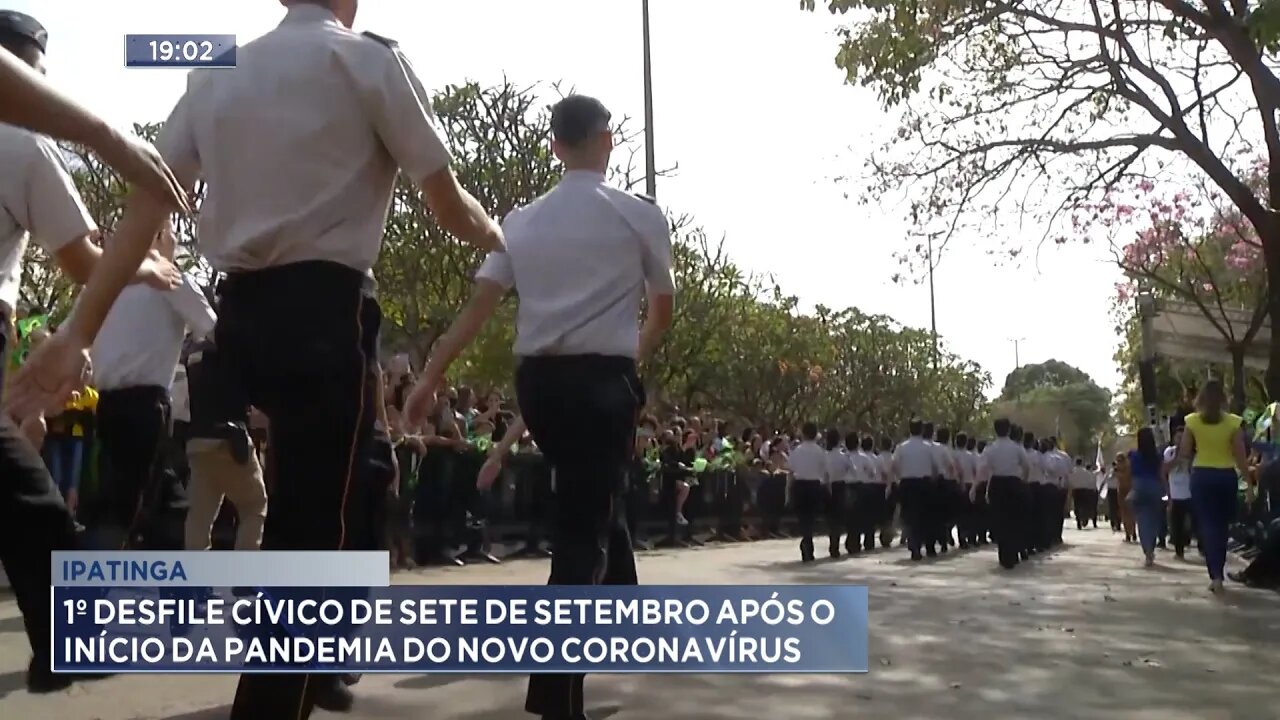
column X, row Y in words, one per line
column 579, row 716
column 964, row 544
column 42, row 681
column 933, row 553
column 806, row 558
column 916, row 556
column 350, row 679
column 943, row 548
column 332, row 695
column 834, row 553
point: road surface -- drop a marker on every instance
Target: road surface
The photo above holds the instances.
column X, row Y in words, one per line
column 1085, row 632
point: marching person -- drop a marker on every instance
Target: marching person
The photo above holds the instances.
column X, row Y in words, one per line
column 838, row 485
column 884, row 461
column 581, row 259
column 40, row 201
column 869, row 500
column 1084, row 495
column 134, row 358
column 915, row 465
column 298, row 189
column 221, row 456
column 1006, row 467
column 964, row 465
column 946, row 489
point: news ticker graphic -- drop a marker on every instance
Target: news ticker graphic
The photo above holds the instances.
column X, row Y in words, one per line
column 180, row 51
column 240, row 625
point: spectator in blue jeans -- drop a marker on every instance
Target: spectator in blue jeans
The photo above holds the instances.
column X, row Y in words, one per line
column 1215, row 444
column 1147, row 496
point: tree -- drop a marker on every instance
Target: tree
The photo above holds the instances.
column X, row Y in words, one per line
column 1211, row 261
column 1054, row 398
column 1041, row 106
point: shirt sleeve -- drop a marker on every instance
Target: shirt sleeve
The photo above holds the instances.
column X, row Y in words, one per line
column 50, row 208
column 497, row 265
column 656, row 236
column 177, row 143
column 193, row 308
column 400, row 109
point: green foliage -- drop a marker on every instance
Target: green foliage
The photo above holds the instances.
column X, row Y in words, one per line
column 1054, row 398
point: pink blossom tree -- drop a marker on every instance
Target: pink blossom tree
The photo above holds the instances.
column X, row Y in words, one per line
column 1194, row 248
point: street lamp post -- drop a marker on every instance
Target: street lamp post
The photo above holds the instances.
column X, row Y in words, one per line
column 651, row 172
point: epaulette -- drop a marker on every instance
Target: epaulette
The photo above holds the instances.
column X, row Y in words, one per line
column 646, row 198
column 381, row 40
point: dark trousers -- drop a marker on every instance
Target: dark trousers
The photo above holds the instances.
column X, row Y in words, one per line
column 809, row 498
column 299, row 342
column 1182, row 524
column 1085, row 502
column 582, row 411
column 34, row 522
column 1006, row 508
column 1113, row 509
column 914, row 494
column 978, row 523
column 838, row 505
column 868, row 511
column 133, row 429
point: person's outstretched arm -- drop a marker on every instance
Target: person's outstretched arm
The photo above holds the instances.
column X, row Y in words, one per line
column 29, row 101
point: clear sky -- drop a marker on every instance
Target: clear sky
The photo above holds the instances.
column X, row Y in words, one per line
column 747, row 102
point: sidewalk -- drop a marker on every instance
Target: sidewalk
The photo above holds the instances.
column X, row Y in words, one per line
column 1083, row 633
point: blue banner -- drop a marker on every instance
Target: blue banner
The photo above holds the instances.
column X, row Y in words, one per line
column 441, row 629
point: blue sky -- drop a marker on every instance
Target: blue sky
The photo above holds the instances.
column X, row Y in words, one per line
column 748, row 103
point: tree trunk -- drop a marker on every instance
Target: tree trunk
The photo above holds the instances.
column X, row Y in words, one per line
column 1270, row 237
column 1237, row 379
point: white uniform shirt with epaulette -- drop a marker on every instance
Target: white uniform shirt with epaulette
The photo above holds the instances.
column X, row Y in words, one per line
column 1065, row 465
column 1035, row 465
column 580, row 258
column 884, row 461
column 1005, row 458
column 38, row 199
column 943, row 461
column 914, row 458
column 301, row 144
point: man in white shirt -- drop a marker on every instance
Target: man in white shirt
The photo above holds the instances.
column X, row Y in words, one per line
column 964, row 491
column 839, row 485
column 869, row 501
column 981, row 512
column 946, row 489
column 915, row 466
column 1006, row 467
column 1182, row 522
column 888, row 515
column 808, row 462
column 1060, row 465
column 1084, row 495
column 581, row 259
column 135, row 357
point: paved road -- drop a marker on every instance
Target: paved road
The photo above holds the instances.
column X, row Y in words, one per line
column 1085, row 632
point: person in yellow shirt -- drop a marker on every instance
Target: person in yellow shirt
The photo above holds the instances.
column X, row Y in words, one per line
column 67, row 444
column 1214, row 442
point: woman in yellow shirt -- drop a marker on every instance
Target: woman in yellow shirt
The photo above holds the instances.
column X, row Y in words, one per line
column 1215, row 444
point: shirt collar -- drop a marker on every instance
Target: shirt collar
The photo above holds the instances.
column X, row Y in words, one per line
column 309, row 13
column 583, row 176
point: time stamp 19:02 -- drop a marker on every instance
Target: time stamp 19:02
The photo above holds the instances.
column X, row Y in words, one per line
column 180, row 51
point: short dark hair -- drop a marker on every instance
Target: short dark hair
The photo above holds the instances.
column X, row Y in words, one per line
column 809, row 430
column 915, row 427
column 1003, row 427
column 577, row 118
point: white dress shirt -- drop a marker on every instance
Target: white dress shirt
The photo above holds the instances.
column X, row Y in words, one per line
column 884, row 462
column 1005, row 458
column 1035, row 467
column 837, row 466
column 1179, row 475
column 301, row 144
column 141, row 338
column 914, row 458
column 808, row 461
column 37, row 200
column 944, row 462
column 580, row 259
column 1082, row 479
column 865, row 468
